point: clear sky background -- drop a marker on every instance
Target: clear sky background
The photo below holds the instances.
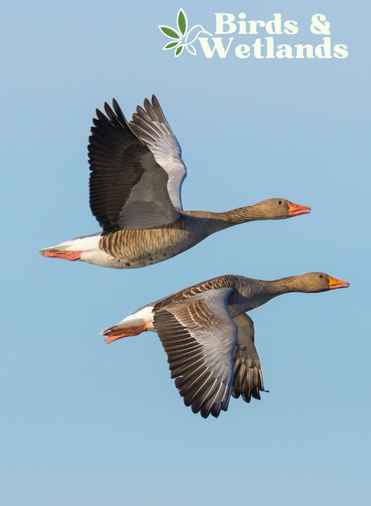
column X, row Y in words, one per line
column 86, row 423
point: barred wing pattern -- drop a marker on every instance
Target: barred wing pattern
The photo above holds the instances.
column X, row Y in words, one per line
column 200, row 338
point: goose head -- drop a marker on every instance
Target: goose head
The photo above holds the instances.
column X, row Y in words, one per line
column 279, row 209
column 312, row 282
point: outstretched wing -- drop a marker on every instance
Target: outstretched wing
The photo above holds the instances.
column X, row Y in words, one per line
column 128, row 187
column 199, row 338
column 150, row 126
column 248, row 375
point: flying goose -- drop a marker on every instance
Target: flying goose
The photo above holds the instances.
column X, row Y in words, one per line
column 209, row 338
column 136, row 174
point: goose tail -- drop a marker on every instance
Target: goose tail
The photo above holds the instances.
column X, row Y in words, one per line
column 73, row 249
column 135, row 324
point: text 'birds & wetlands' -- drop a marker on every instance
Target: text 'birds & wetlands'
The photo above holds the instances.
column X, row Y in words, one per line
column 238, row 36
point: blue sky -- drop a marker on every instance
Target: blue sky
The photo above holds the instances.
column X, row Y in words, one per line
column 86, row 423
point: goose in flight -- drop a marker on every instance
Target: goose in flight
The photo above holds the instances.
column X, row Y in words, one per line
column 209, row 338
column 136, row 174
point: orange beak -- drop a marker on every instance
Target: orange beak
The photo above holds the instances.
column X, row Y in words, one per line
column 297, row 209
column 334, row 283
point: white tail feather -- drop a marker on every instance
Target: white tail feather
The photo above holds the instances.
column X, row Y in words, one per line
column 142, row 318
column 87, row 243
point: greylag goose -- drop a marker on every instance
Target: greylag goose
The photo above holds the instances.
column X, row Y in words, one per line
column 209, row 338
column 136, row 174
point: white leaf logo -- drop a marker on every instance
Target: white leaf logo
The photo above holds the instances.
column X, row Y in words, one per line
column 180, row 37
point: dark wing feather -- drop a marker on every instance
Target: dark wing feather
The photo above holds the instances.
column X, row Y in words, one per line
column 199, row 338
column 248, row 376
column 128, row 189
column 152, row 128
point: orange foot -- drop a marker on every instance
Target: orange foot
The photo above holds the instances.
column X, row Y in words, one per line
column 66, row 255
column 114, row 333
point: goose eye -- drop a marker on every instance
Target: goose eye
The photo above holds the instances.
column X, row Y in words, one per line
column 321, row 276
column 279, row 202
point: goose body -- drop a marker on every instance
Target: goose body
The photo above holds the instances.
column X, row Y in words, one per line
column 208, row 337
column 130, row 248
column 136, row 174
